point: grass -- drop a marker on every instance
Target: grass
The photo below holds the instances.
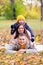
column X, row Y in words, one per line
column 5, row 24
column 2, row 18
column 35, row 25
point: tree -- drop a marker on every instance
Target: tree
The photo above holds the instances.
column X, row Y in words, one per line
column 12, row 5
column 41, row 10
column 0, row 1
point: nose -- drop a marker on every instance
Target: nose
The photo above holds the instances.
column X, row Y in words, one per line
column 21, row 41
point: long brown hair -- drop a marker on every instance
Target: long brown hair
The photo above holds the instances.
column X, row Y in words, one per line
column 25, row 32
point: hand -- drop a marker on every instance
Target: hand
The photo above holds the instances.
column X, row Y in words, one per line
column 22, row 51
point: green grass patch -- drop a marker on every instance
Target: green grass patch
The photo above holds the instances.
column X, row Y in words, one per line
column 35, row 25
column 2, row 18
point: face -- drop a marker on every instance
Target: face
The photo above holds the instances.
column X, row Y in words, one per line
column 21, row 29
column 21, row 21
column 22, row 40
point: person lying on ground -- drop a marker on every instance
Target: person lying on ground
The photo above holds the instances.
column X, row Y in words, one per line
column 21, row 19
column 21, row 43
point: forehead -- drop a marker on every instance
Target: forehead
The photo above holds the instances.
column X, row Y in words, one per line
column 22, row 37
column 21, row 26
column 21, row 20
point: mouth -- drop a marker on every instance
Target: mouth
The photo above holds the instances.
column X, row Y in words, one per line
column 21, row 43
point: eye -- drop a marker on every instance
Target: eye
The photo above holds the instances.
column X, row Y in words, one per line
column 22, row 39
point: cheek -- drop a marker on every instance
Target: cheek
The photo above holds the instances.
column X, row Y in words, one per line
column 20, row 30
column 25, row 41
column 23, row 30
column 19, row 41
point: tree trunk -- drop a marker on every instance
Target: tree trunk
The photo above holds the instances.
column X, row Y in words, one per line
column 41, row 10
column 12, row 6
column 0, row 1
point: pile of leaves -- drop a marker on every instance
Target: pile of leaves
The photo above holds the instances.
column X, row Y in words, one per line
column 20, row 59
column 39, row 37
column 5, row 37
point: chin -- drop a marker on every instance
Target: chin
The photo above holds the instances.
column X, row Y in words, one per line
column 21, row 44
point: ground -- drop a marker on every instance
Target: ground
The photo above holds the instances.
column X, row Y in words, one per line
column 17, row 58
column 21, row 59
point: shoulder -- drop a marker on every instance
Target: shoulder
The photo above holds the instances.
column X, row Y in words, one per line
column 29, row 34
column 15, row 24
column 28, row 31
column 16, row 45
column 26, row 25
column 15, row 40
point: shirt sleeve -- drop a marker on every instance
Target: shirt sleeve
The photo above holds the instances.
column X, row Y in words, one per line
column 16, row 46
column 13, row 28
column 29, row 29
column 29, row 34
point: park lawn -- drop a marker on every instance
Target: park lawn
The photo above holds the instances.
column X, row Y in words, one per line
column 5, row 24
column 35, row 24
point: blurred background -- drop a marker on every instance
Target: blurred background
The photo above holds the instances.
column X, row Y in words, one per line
column 31, row 9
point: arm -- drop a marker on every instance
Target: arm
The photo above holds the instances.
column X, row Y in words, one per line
column 13, row 28
column 12, row 38
column 29, row 34
column 28, row 28
column 30, row 45
column 15, row 44
column 9, row 48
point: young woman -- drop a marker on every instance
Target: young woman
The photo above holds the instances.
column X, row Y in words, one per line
column 21, row 30
column 20, row 44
